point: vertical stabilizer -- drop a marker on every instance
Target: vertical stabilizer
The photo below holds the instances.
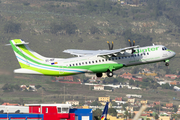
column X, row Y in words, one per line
column 105, row 111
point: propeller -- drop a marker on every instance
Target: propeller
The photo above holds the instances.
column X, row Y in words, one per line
column 132, row 45
column 110, row 46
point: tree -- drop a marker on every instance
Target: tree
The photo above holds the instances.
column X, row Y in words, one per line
column 69, row 27
column 95, row 103
column 97, row 114
column 156, row 116
column 175, row 108
column 7, row 88
column 94, row 30
column 167, row 86
column 54, row 28
column 38, row 86
column 112, row 111
column 11, row 27
column 126, row 114
column 131, row 82
column 16, row 87
column 114, row 103
column 124, row 106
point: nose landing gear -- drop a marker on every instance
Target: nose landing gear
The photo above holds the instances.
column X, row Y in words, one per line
column 167, row 62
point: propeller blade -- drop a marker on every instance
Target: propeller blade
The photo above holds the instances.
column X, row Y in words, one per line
column 112, row 45
column 133, row 42
column 130, row 43
column 108, row 45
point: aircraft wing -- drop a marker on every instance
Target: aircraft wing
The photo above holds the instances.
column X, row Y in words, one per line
column 81, row 53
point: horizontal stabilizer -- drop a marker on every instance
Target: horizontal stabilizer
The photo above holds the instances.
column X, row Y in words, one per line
column 26, row 71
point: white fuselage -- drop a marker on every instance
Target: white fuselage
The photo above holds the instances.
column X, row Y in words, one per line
column 143, row 55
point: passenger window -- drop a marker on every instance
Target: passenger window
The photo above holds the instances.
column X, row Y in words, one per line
column 99, row 60
column 141, row 54
column 79, row 63
column 116, row 58
column 96, row 61
column 144, row 53
column 147, row 53
column 86, row 62
column 138, row 54
column 89, row 62
column 82, row 63
column 73, row 64
column 102, row 60
column 76, row 64
column 162, row 48
column 122, row 57
column 92, row 61
column 119, row 57
column 70, row 65
column 125, row 57
column 109, row 58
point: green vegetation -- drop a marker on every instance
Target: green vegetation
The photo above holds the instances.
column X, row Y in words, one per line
column 54, row 25
column 112, row 111
column 96, row 103
column 11, row 27
column 10, row 88
column 97, row 114
column 146, row 83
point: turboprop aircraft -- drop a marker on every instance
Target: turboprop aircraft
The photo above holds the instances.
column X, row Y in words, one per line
column 88, row 61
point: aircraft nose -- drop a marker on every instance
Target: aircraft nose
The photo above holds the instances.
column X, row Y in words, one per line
column 173, row 53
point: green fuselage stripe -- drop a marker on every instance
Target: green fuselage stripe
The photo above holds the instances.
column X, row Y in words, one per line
column 116, row 65
column 23, row 48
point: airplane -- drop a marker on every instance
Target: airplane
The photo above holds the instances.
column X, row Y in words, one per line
column 105, row 111
column 88, row 61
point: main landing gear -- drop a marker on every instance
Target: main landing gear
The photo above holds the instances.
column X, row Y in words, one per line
column 99, row 74
column 110, row 73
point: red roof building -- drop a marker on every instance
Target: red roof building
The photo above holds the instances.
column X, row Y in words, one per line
column 174, row 83
column 172, row 76
column 126, row 75
column 68, row 78
column 9, row 104
column 156, row 103
column 169, row 105
column 118, row 99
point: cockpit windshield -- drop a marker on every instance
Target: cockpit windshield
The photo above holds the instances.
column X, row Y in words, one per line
column 164, row 48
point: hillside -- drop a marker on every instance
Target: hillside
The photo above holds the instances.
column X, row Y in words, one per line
column 51, row 26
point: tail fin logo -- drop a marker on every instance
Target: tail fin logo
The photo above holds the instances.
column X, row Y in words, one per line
column 103, row 117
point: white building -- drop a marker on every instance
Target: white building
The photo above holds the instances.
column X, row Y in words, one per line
column 72, row 102
column 98, row 87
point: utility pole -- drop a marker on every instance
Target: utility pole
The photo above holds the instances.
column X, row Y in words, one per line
column 42, row 98
column 64, row 94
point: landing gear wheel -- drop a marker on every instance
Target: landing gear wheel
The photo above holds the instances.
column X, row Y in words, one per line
column 99, row 74
column 109, row 73
column 167, row 64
